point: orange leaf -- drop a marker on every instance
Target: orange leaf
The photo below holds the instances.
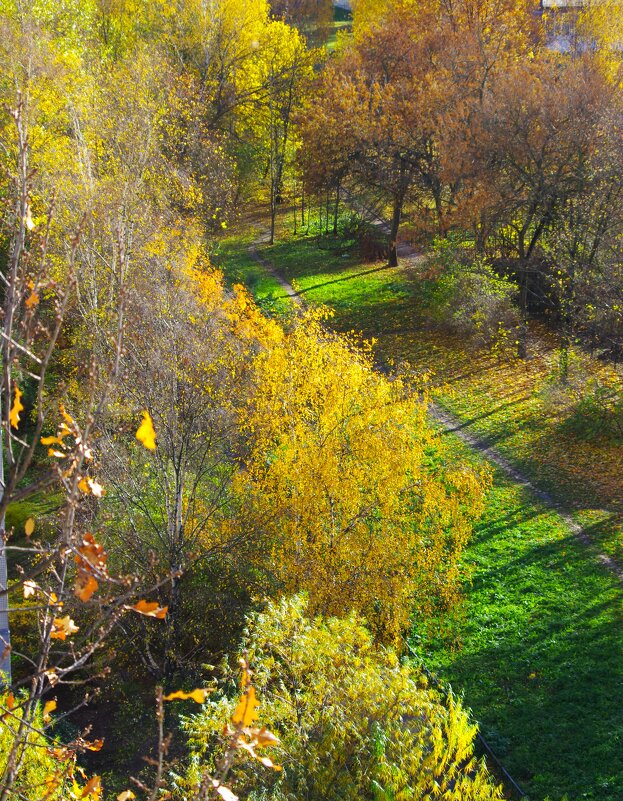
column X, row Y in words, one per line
column 146, row 433
column 29, row 527
column 18, row 407
column 32, row 300
column 93, row 787
column 85, row 587
column 94, row 745
column 150, row 609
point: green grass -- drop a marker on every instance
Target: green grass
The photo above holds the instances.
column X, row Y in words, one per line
column 239, row 267
column 541, row 633
column 540, row 657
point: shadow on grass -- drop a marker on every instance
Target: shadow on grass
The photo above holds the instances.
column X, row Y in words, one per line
column 541, row 663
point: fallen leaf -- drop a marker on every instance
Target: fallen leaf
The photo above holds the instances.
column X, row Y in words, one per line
column 146, row 433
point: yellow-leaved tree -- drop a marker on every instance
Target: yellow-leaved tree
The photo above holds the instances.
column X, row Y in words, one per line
column 343, row 483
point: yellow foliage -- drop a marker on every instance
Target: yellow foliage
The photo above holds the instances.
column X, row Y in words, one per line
column 338, row 485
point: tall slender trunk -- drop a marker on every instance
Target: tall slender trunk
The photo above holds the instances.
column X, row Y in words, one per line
column 522, row 339
column 336, row 210
column 393, row 235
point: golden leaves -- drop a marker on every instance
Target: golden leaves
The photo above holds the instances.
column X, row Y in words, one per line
column 126, row 795
column 90, row 562
column 17, row 407
column 29, row 527
column 150, row 609
column 199, row 695
column 146, row 433
column 244, row 736
column 63, row 627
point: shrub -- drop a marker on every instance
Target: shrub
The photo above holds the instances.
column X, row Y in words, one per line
column 354, row 722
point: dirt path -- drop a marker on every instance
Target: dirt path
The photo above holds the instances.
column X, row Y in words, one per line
column 453, row 425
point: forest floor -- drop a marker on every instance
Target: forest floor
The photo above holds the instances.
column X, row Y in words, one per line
column 536, row 648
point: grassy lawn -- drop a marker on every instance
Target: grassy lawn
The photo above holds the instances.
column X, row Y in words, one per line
column 540, row 637
column 540, row 657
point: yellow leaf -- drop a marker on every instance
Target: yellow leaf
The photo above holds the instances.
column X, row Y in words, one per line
column 126, row 795
column 197, row 695
column 263, row 737
column 49, row 707
column 29, row 527
column 63, row 627
column 146, row 433
column 18, row 407
column 51, row 441
column 245, row 712
column 150, row 609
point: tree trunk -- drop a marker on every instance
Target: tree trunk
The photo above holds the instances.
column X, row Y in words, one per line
column 522, row 339
column 336, row 210
column 393, row 236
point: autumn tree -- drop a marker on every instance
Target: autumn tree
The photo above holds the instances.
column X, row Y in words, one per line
column 336, row 483
column 538, row 132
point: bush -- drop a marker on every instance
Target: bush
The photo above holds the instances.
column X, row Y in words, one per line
column 354, row 722
column 468, row 297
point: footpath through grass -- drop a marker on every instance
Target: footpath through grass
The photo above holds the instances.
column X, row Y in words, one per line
column 540, row 637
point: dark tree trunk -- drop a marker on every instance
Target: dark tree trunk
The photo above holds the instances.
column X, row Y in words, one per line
column 393, row 235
